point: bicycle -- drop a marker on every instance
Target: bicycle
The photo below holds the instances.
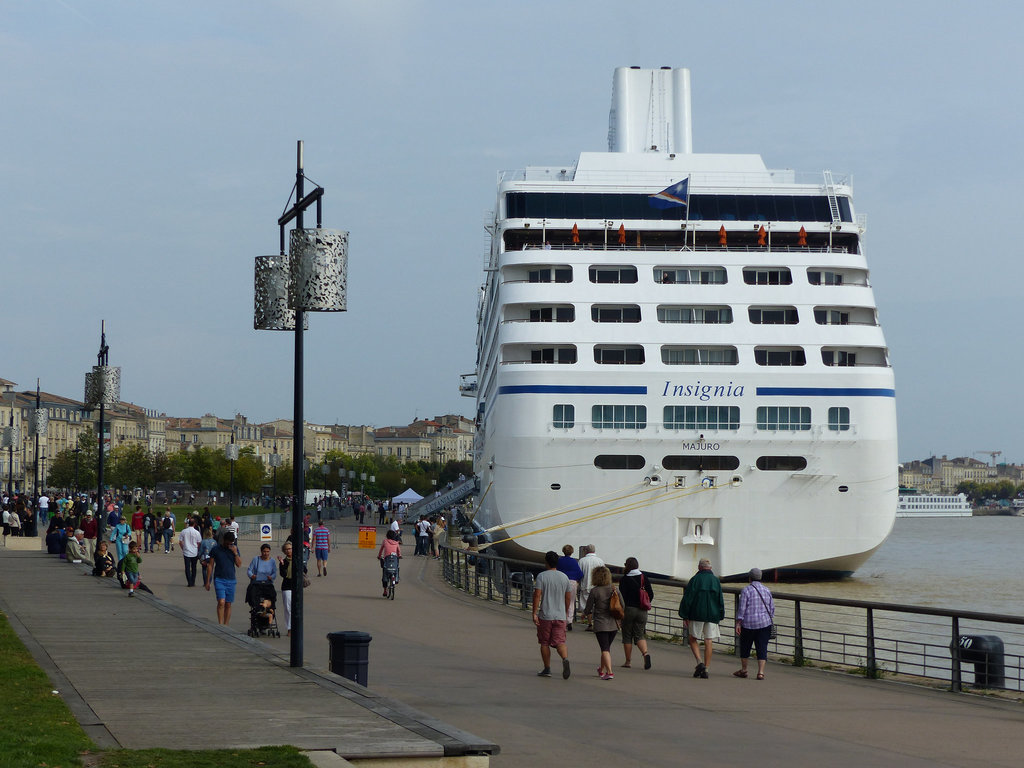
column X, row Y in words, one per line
column 390, row 566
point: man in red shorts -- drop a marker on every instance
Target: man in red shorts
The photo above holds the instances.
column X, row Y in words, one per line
column 552, row 601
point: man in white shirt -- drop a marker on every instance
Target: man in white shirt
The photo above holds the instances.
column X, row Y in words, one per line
column 190, row 539
column 588, row 563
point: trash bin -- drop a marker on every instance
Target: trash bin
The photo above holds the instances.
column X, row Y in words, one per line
column 349, row 655
column 986, row 653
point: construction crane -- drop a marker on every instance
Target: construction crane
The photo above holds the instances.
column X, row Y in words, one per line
column 994, row 454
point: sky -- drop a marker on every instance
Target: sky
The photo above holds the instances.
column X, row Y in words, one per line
column 148, row 148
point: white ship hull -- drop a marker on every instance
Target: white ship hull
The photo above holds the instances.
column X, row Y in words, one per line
column 812, row 490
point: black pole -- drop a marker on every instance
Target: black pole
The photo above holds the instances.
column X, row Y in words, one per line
column 231, row 492
column 101, row 518
column 35, row 464
column 77, row 451
column 298, row 466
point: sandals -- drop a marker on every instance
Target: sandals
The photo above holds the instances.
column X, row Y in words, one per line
column 760, row 676
column 740, row 673
column 626, row 665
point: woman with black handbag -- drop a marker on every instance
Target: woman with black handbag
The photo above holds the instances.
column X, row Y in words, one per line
column 754, row 621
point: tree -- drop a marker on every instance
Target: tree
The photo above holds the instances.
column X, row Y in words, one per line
column 130, row 467
column 61, row 472
column 163, row 470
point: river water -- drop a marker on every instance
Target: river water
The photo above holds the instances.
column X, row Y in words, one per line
column 965, row 563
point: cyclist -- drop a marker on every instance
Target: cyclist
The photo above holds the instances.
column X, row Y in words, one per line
column 390, row 546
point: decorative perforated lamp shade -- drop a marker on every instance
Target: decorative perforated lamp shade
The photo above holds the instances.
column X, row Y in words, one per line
column 231, row 452
column 271, row 310
column 319, row 270
column 276, row 460
column 11, row 437
column 38, row 421
column 103, row 385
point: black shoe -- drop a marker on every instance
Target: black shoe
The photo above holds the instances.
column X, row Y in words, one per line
column 647, row 661
column 704, row 674
column 698, row 670
column 565, row 669
column 568, row 627
column 546, row 672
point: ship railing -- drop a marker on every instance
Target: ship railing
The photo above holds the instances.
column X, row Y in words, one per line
column 877, row 640
column 684, row 248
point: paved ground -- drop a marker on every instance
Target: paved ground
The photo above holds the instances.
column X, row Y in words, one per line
column 474, row 666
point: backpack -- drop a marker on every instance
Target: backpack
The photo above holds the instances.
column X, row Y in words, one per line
column 167, row 523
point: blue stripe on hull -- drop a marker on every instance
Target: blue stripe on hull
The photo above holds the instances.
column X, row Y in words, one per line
column 557, row 389
column 827, row 391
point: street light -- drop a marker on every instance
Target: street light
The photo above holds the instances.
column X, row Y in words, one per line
column 102, row 388
column 11, row 437
column 311, row 278
column 231, row 454
column 38, row 424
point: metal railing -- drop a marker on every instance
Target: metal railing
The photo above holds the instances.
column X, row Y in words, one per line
column 874, row 639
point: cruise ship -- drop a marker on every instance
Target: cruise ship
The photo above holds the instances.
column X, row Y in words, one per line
column 934, row 505
column 679, row 357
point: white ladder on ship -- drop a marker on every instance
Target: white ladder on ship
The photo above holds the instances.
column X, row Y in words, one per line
column 833, row 202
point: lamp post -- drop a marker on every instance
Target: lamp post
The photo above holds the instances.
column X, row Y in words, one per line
column 76, row 452
column 231, row 453
column 325, row 470
column 38, row 425
column 311, row 278
column 11, row 436
column 275, row 462
column 102, row 388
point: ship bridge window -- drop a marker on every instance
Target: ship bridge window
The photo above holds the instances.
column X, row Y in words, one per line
column 767, row 276
column 693, row 355
column 619, row 461
column 819, row 276
column 773, row 315
column 552, row 274
column 779, row 356
column 631, row 355
column 700, row 463
column 612, row 274
column 626, row 313
column 691, row 276
column 784, row 418
column 855, row 356
column 563, row 416
column 781, row 463
column 619, row 416
column 597, row 206
column 698, row 315
column 839, row 419
column 845, row 316
column 702, row 417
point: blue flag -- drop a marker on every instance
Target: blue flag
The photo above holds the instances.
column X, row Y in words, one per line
column 671, row 197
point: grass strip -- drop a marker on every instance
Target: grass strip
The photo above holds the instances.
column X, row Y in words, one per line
column 37, row 730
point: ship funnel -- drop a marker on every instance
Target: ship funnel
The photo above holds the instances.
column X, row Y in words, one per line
column 650, row 111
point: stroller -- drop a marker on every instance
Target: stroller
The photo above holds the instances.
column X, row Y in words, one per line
column 261, row 597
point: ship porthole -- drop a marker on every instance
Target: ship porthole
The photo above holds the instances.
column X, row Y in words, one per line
column 556, row 486
column 843, row 488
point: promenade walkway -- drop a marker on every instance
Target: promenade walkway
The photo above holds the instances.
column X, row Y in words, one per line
column 472, row 665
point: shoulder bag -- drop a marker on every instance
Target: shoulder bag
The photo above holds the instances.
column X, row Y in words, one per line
column 773, row 632
column 615, row 608
column 645, row 599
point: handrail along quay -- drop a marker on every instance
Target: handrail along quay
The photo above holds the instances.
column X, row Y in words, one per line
column 927, row 645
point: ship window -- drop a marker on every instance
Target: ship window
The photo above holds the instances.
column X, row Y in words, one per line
column 629, row 313
column 779, row 356
column 767, row 276
column 700, row 463
column 562, row 355
column 619, row 461
column 559, row 274
column 612, row 274
column 563, row 416
column 696, row 315
column 821, row 277
column 783, row 418
column 839, row 419
column 772, row 315
column 619, row 355
column 619, row 416
column 781, row 463
column 563, row 314
column 702, row 417
column 838, row 357
column 692, row 276
column 699, row 355
column 825, row 316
